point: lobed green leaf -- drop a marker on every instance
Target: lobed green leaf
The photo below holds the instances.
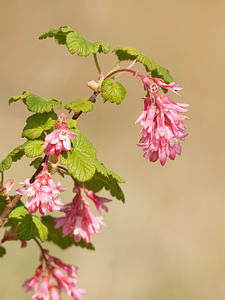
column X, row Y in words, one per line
column 33, row 148
column 16, row 98
column 6, row 163
column 81, row 158
column 35, row 103
column 27, row 229
column 128, row 53
column 39, row 123
column 74, row 42
column 115, row 176
column 30, row 227
column 80, row 104
column 13, row 156
column 18, row 212
column 36, row 162
column 41, row 228
column 59, row 35
column 113, row 92
column 72, row 123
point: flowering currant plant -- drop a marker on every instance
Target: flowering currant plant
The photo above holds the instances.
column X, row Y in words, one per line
column 55, row 144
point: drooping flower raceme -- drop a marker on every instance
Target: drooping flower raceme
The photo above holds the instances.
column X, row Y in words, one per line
column 42, row 194
column 55, row 277
column 58, row 140
column 162, row 125
column 79, row 220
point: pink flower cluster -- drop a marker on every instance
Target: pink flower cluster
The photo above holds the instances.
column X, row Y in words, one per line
column 42, row 194
column 58, row 140
column 55, row 278
column 162, row 125
column 79, row 220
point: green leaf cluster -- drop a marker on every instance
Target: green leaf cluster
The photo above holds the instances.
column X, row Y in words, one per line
column 30, row 226
column 39, row 123
column 36, row 103
column 113, row 92
column 128, row 53
column 74, row 42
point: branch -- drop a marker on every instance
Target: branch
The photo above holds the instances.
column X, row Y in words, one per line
column 8, row 209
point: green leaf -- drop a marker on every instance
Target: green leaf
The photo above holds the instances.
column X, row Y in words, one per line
column 2, row 251
column 64, row 158
column 59, row 35
column 30, row 227
column 128, row 53
column 55, row 236
column 14, row 155
column 115, row 176
column 37, row 104
column 6, row 163
column 80, row 104
column 41, row 228
column 84, row 47
column 33, row 148
column 27, row 229
column 16, row 98
column 72, row 123
column 98, row 181
column 101, row 168
column 17, row 153
column 113, row 92
column 81, row 158
column 36, row 162
column 74, row 42
column 18, row 213
column 38, row 123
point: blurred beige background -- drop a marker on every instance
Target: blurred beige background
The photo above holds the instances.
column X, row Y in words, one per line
column 168, row 240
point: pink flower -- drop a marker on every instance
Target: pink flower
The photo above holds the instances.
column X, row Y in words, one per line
column 58, row 140
column 172, row 87
column 79, row 220
column 53, row 281
column 42, row 194
column 98, row 201
column 32, row 283
column 162, row 127
column 43, row 292
column 70, row 270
